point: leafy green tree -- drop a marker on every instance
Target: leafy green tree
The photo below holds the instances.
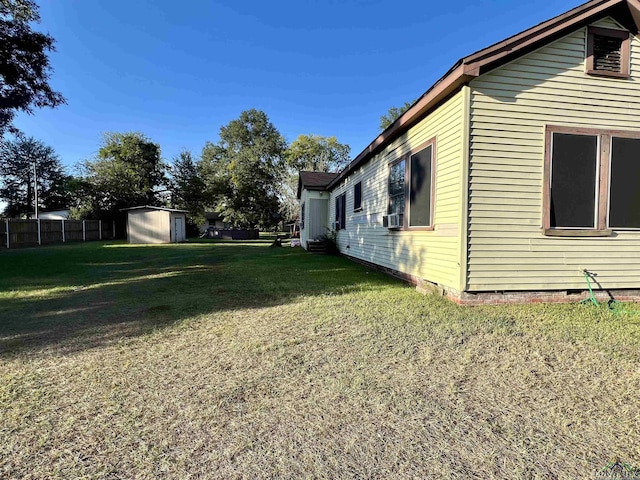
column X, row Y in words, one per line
column 127, row 172
column 214, row 170
column 244, row 169
column 188, row 190
column 318, row 154
column 82, row 200
column 25, row 68
column 393, row 114
column 313, row 153
column 17, row 160
column 289, row 205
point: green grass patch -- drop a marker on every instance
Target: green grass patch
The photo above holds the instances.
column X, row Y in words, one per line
column 219, row 359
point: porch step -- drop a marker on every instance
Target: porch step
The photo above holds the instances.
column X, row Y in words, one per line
column 317, row 247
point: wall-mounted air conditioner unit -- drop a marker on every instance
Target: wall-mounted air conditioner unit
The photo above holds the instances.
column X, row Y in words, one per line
column 393, row 220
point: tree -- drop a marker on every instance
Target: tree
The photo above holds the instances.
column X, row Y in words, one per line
column 314, row 153
column 17, row 160
column 82, row 199
column 25, row 68
column 127, row 172
column 188, row 191
column 393, row 114
column 244, row 169
column 289, row 204
column 318, row 154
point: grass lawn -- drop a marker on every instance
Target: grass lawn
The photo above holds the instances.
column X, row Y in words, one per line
column 235, row 360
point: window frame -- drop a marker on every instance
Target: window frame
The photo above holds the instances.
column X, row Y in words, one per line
column 624, row 35
column 407, row 186
column 603, row 181
column 391, row 164
column 357, row 188
column 302, row 215
column 618, row 134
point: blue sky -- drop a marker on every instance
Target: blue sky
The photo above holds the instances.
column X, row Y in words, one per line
column 178, row 71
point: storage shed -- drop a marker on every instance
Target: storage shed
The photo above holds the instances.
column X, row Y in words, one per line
column 147, row 224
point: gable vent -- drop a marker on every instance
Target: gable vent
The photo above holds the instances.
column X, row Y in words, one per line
column 607, row 53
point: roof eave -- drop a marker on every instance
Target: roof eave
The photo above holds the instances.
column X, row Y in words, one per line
column 311, row 189
column 498, row 53
column 489, row 58
column 634, row 10
column 151, row 207
column 441, row 90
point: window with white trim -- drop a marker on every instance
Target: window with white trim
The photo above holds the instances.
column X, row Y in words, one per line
column 357, row 197
column 341, row 212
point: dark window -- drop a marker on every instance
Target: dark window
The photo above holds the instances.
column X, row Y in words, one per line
column 357, row 196
column 302, row 218
column 420, row 188
column 397, row 187
column 573, row 181
column 341, row 210
column 624, row 196
column 593, row 177
column 607, row 52
column 411, row 188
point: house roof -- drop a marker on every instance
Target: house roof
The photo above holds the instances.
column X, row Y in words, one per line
column 314, row 180
column 212, row 216
column 149, row 207
column 627, row 12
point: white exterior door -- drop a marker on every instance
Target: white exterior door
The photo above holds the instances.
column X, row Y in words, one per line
column 178, row 229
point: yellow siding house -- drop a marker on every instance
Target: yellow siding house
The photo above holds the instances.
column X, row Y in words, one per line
column 516, row 176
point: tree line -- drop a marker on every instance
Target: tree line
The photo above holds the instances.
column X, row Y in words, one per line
column 249, row 176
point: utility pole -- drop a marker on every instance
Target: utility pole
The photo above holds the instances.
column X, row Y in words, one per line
column 35, row 187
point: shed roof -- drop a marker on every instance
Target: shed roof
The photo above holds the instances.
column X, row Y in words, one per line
column 314, row 180
column 627, row 12
column 149, row 207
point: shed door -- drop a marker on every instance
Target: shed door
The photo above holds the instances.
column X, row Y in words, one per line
column 178, row 229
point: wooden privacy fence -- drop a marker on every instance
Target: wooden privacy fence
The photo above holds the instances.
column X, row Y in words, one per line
column 16, row 233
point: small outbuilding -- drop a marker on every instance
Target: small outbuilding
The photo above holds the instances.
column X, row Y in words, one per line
column 214, row 221
column 54, row 214
column 147, row 224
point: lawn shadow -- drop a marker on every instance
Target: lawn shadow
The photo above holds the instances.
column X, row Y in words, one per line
column 62, row 300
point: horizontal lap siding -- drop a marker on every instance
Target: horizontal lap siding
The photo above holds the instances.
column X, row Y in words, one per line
column 431, row 255
column 509, row 110
column 149, row 226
